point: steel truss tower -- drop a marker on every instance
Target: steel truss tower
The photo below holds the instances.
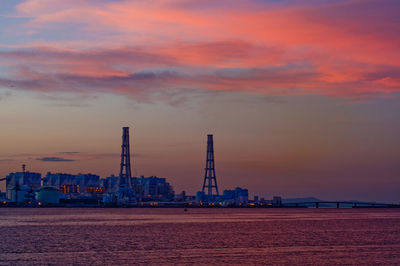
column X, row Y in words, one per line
column 210, row 181
column 124, row 180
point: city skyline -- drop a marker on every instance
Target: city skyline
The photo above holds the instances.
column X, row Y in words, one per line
column 302, row 97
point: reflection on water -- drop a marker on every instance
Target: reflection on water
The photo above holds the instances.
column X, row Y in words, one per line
column 199, row 236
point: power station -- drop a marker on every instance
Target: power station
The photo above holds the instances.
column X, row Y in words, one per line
column 26, row 188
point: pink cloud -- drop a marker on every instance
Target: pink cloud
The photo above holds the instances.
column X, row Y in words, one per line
column 340, row 49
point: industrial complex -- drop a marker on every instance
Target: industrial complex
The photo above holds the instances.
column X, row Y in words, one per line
column 27, row 188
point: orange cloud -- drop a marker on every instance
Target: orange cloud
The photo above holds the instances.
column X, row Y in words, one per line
column 334, row 48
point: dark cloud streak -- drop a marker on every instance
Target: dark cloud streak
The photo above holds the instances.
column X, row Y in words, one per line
column 54, row 159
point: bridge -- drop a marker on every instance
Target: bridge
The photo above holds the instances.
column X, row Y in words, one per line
column 353, row 204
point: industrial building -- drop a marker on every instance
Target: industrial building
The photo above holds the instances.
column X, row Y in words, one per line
column 237, row 196
column 145, row 188
column 110, row 184
column 230, row 197
column 72, row 183
column 154, row 188
column 20, row 185
column 29, row 179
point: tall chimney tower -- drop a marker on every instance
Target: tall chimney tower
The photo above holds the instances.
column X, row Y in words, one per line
column 124, row 179
column 210, row 181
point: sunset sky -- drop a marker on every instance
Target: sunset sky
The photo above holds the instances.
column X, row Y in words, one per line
column 302, row 96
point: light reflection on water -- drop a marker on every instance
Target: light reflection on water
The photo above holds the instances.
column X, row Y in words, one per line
column 199, row 236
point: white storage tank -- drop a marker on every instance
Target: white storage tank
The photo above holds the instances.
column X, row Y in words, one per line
column 48, row 195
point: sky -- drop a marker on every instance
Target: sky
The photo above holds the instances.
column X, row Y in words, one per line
column 302, row 97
